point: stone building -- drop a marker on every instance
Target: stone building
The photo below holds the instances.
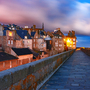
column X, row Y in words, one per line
column 71, row 40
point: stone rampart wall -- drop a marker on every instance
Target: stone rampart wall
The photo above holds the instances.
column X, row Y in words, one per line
column 33, row 75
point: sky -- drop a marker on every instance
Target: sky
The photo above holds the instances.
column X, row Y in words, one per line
column 65, row 14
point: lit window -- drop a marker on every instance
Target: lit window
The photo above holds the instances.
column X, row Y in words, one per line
column 10, row 33
column 25, row 37
column 50, row 42
column 73, row 39
column 73, row 42
column 8, row 41
column 59, row 48
column 11, row 41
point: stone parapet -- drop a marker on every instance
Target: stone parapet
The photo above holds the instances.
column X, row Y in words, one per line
column 33, row 75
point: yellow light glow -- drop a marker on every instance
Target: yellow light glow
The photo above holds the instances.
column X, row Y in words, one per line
column 10, row 33
column 64, row 39
column 68, row 40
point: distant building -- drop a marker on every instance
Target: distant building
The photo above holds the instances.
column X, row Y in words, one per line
column 34, row 29
column 1, row 30
column 57, row 40
column 71, row 40
column 58, row 43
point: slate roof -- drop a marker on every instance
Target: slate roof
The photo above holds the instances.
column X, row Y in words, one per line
column 23, row 33
column 4, row 32
column 41, row 33
column 57, row 35
column 6, row 28
column 4, row 56
column 22, row 51
column 32, row 34
column 34, row 53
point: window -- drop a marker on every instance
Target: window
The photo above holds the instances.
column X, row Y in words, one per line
column 34, row 40
column 73, row 45
column 9, row 27
column 13, row 28
column 8, row 41
column 60, row 37
column 56, row 45
column 73, row 39
column 36, row 36
column 59, row 48
column 11, row 41
column 27, row 41
column 10, row 33
column 44, row 45
column 60, row 45
column 25, row 37
column 34, row 45
column 55, row 36
column 73, row 42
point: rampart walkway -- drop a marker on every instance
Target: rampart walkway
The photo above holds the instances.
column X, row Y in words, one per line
column 74, row 74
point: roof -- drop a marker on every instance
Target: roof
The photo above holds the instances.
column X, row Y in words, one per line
column 22, row 51
column 4, row 56
column 41, row 33
column 23, row 33
column 34, row 53
column 48, row 38
column 6, row 28
column 57, row 35
column 4, row 32
column 59, row 32
column 32, row 34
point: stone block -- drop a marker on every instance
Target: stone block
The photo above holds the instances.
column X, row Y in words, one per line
column 18, row 73
column 5, row 80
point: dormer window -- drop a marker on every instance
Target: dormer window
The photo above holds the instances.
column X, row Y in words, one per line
column 60, row 37
column 13, row 28
column 10, row 28
column 10, row 33
column 25, row 37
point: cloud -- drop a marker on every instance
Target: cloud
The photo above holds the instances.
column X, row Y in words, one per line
column 66, row 14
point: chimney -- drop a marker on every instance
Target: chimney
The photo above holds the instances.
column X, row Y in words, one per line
column 34, row 26
column 43, row 26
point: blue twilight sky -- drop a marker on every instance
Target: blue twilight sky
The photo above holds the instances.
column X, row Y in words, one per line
column 66, row 14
